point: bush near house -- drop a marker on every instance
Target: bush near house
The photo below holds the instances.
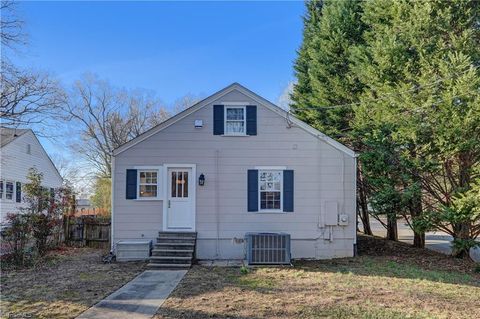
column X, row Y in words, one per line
column 38, row 226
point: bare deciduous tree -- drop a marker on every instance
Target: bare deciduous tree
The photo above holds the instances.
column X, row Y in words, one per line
column 185, row 102
column 26, row 96
column 11, row 26
column 107, row 118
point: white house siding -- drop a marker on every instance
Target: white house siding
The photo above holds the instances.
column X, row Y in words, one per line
column 15, row 164
column 321, row 172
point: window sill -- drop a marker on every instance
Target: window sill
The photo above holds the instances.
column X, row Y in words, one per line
column 270, row 212
column 148, row 199
column 234, row 135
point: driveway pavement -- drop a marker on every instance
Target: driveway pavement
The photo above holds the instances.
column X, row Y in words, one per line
column 438, row 241
column 138, row 299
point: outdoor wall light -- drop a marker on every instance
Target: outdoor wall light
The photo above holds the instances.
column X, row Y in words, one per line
column 201, row 180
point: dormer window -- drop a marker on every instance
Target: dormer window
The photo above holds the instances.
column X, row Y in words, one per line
column 235, row 120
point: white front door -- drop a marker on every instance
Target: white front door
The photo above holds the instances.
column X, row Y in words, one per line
column 180, row 203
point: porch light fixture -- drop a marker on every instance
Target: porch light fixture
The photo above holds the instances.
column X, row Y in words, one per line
column 201, row 180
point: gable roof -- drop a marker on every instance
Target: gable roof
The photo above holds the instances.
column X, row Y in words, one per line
column 236, row 86
column 9, row 134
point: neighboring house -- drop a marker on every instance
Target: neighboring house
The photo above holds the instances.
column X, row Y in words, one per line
column 20, row 150
column 84, row 207
column 229, row 166
column 82, row 204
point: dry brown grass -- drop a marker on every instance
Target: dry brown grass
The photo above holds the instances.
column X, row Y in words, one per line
column 67, row 283
column 388, row 280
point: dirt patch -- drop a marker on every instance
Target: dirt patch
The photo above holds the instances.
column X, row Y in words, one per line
column 402, row 252
column 65, row 284
column 387, row 280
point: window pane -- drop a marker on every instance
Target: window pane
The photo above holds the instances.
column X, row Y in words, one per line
column 263, row 186
column 142, row 178
column 235, row 127
column 276, row 176
column 148, row 190
column 235, row 114
column 185, row 185
column 269, row 200
column 174, row 184
column 154, row 177
column 180, row 184
column 9, row 190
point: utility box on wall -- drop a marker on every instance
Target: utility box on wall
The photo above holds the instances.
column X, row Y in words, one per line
column 331, row 213
column 343, row 220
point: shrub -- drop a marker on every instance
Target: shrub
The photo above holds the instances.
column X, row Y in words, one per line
column 17, row 236
column 244, row 270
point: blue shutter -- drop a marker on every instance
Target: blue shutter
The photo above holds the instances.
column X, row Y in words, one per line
column 288, row 190
column 131, row 192
column 18, row 197
column 218, row 120
column 253, row 190
column 251, row 120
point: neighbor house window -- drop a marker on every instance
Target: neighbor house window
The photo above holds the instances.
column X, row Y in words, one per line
column 1, row 188
column 148, row 183
column 9, row 190
column 270, row 189
column 235, row 120
column 29, row 149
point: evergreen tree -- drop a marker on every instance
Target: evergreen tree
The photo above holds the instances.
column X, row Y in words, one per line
column 420, row 58
column 302, row 90
column 324, row 76
column 324, row 64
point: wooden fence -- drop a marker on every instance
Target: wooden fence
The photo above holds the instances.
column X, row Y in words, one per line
column 91, row 231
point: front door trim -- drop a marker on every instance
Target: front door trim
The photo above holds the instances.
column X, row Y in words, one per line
column 165, row 188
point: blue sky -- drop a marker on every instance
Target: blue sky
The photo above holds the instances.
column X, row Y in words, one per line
column 172, row 48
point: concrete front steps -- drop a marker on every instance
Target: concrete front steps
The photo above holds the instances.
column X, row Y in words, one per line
column 173, row 250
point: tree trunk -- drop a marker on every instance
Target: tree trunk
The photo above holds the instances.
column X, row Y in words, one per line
column 461, row 232
column 392, row 229
column 362, row 206
column 416, row 209
column 419, row 239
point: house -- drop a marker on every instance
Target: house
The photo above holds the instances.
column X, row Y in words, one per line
column 21, row 150
column 239, row 174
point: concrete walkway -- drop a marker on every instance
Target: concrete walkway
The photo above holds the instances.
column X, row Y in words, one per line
column 138, row 299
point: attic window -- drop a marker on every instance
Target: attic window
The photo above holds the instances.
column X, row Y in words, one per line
column 29, row 149
column 235, row 120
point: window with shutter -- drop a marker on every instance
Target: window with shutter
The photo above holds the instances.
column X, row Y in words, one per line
column 270, row 190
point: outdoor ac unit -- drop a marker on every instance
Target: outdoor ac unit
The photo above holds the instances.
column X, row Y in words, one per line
column 268, row 248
